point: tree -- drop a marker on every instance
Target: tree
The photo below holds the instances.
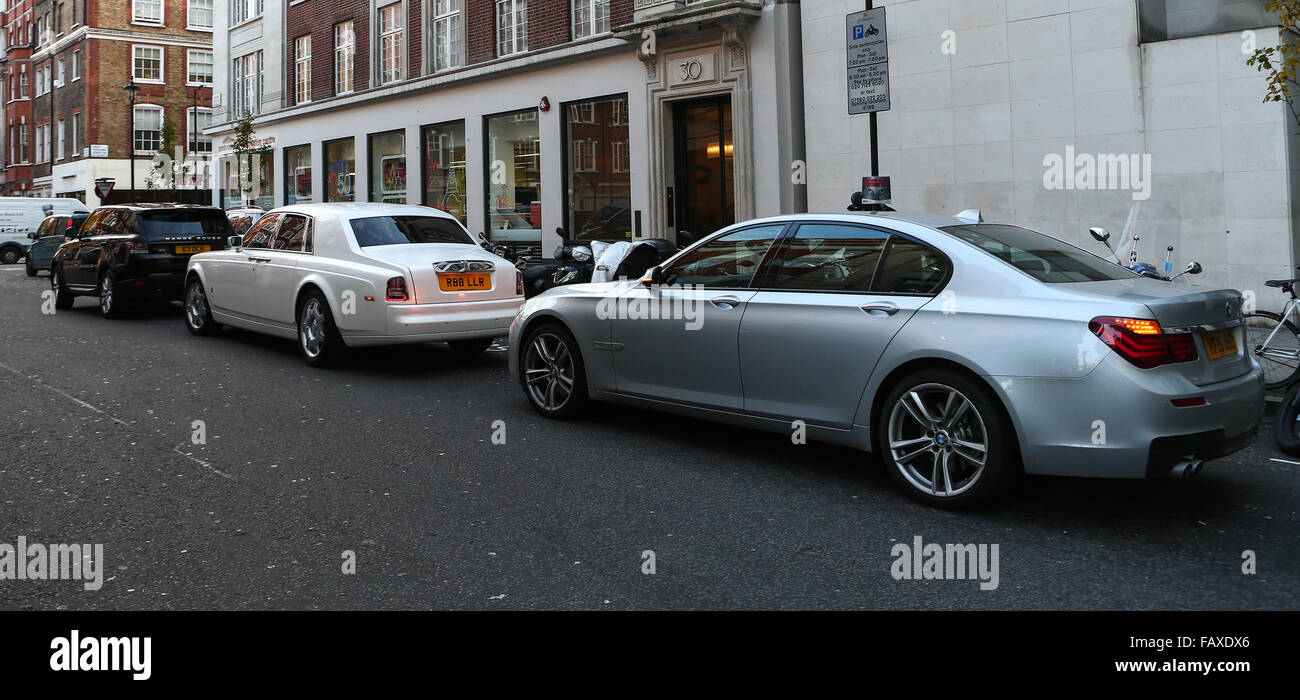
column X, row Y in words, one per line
column 1282, row 61
column 248, row 158
column 163, row 174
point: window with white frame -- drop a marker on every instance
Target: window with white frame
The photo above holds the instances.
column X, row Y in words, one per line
column 199, row 14
column 22, row 142
column 584, row 155
column 244, row 10
column 302, row 68
column 62, row 77
column 76, row 134
column 61, row 152
column 345, row 53
column 390, row 43
column 23, row 84
column 247, row 83
column 446, row 34
column 40, row 143
column 622, row 163
column 147, row 131
column 590, row 17
column 199, row 142
column 512, row 26
column 76, row 64
column 199, row 70
column 147, row 63
column 147, row 11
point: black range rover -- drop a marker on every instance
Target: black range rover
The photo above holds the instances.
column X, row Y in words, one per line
column 135, row 252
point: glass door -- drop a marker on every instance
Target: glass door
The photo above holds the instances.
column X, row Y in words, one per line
column 704, row 172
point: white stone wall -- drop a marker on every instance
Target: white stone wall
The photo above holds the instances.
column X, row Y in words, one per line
column 1031, row 78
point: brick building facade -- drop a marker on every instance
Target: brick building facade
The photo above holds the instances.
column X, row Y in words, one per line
column 83, row 124
column 15, row 89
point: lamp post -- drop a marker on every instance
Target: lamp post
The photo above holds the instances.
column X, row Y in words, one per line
column 131, row 88
column 194, row 150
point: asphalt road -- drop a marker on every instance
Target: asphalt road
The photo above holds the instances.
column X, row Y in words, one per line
column 391, row 457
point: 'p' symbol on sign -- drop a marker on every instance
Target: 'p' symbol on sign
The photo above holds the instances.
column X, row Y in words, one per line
column 857, row 32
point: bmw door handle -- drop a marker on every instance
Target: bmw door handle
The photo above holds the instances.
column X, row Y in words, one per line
column 881, row 308
column 725, row 303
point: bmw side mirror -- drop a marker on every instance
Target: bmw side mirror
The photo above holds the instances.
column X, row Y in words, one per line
column 235, row 242
column 1099, row 234
column 653, row 276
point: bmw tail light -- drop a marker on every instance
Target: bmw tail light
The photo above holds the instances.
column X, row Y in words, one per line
column 519, row 283
column 1143, row 342
column 397, row 290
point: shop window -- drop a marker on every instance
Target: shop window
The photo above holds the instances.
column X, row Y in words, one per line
column 444, row 168
column 387, row 155
column 340, row 170
column 248, row 179
column 514, row 178
column 297, row 174
column 597, row 173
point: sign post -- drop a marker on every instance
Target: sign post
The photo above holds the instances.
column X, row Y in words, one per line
column 868, row 69
column 103, row 186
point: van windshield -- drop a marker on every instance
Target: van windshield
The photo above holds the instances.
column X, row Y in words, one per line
column 182, row 223
column 1042, row 257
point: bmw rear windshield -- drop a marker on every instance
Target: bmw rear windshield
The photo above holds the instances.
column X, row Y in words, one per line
column 1044, row 258
column 183, row 223
column 397, row 230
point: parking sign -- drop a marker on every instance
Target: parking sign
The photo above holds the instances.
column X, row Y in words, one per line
column 868, row 61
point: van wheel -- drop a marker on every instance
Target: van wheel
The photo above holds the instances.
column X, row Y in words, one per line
column 946, row 440
column 62, row 297
column 10, row 254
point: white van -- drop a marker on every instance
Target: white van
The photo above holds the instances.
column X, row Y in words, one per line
column 20, row 216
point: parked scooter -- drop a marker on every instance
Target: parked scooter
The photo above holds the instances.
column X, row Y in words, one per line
column 576, row 263
column 1145, row 269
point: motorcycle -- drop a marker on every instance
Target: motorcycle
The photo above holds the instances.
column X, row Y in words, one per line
column 576, row 263
column 1145, row 269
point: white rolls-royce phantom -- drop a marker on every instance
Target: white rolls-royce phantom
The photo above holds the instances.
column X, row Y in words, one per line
column 348, row 275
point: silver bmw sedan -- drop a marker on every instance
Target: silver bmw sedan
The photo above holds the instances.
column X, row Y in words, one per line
column 964, row 353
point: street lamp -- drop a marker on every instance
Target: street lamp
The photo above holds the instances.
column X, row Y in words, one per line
column 131, row 88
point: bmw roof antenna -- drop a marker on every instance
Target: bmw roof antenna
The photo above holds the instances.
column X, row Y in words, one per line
column 971, row 216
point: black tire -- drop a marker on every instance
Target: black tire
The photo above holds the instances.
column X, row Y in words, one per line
column 31, row 269
column 551, row 348
column 1278, row 373
column 472, row 346
column 323, row 346
column 110, row 300
column 1287, row 430
column 10, row 254
column 62, row 297
column 198, row 314
column 960, row 425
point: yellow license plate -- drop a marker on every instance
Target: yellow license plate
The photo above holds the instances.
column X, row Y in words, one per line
column 187, row 249
column 464, row 281
column 1221, row 344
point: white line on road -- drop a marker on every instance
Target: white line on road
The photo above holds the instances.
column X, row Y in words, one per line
column 196, row 460
column 1284, row 461
column 64, row 394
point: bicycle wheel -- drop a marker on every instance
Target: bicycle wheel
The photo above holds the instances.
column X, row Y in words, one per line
column 1281, row 359
column 1287, row 430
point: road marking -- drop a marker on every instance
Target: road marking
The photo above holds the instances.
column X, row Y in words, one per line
column 1284, row 461
column 196, row 460
column 65, row 394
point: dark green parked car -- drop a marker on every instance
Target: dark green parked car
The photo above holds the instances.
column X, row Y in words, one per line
column 52, row 233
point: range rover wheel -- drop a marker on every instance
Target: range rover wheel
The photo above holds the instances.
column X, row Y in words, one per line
column 31, row 269
column 198, row 316
column 62, row 297
column 552, row 372
column 110, row 303
column 318, row 338
column 945, row 439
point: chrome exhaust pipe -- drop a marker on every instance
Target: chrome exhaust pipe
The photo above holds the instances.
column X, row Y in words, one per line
column 1187, row 467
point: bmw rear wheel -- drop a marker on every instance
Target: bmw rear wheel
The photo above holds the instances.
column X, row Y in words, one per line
column 945, row 439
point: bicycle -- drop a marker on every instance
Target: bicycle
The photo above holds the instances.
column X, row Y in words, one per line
column 1275, row 340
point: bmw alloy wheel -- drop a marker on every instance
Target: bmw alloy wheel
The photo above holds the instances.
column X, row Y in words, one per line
column 549, row 371
column 938, row 440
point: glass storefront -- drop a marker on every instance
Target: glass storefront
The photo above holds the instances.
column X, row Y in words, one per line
column 514, row 178
column 597, row 170
column 387, row 155
column 444, row 168
column 340, row 170
column 297, row 174
column 248, row 180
